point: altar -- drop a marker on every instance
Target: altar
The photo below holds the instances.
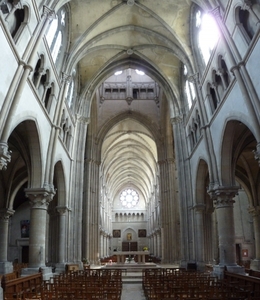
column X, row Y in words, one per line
column 121, row 256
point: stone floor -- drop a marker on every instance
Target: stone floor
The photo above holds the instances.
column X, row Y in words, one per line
column 132, row 284
column 132, row 291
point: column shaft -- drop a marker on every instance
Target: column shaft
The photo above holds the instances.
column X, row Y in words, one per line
column 39, row 199
column 4, row 222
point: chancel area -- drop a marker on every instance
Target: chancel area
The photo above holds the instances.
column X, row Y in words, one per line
column 129, row 133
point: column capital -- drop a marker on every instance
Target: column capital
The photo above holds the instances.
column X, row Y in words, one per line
column 199, row 207
column 223, row 196
column 40, row 197
column 83, row 119
column 48, row 13
column 216, row 13
column 195, row 78
column 62, row 209
column 254, row 211
column 177, row 119
column 66, row 78
column 6, row 213
column 257, row 153
column 247, row 5
column 5, row 155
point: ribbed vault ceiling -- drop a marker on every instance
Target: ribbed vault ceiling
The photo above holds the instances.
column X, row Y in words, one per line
column 129, row 158
column 156, row 33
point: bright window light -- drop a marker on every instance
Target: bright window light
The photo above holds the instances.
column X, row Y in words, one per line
column 208, row 34
column 118, row 73
column 139, row 72
column 51, row 32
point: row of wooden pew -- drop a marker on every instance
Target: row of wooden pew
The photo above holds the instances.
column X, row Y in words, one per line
column 181, row 284
column 77, row 285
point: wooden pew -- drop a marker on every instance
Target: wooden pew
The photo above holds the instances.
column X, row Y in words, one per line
column 18, row 286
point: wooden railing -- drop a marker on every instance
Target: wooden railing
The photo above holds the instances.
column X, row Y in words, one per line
column 15, row 288
column 243, row 281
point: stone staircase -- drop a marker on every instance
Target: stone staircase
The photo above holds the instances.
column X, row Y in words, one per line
column 132, row 277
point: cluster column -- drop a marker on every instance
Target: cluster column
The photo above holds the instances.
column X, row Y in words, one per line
column 5, row 266
column 62, row 210
column 223, row 201
column 39, row 200
column 255, row 212
column 199, row 223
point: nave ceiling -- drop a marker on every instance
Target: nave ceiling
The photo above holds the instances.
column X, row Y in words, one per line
column 153, row 36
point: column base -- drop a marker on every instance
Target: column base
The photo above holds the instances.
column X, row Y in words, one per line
column 6, row 267
column 60, row 267
column 255, row 264
column 201, row 267
column 183, row 264
column 219, row 270
column 46, row 272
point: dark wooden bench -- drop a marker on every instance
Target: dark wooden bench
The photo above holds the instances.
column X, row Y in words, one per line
column 18, row 286
column 244, row 282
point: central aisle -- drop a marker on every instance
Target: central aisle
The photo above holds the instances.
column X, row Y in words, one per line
column 132, row 291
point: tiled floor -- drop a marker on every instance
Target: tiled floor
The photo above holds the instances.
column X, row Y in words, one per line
column 132, row 292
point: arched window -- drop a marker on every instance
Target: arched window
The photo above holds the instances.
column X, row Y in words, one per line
column 189, row 88
column 51, row 32
column 206, row 34
column 38, row 72
column 56, row 36
column 213, row 97
column 219, row 84
column 17, row 17
column 71, row 89
column 224, row 72
column 247, row 18
column 48, row 97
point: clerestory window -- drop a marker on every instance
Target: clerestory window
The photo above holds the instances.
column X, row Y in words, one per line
column 208, row 34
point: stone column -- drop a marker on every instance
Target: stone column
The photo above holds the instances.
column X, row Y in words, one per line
column 223, row 201
column 199, row 231
column 62, row 210
column 5, row 266
column 39, row 200
column 101, row 236
column 255, row 212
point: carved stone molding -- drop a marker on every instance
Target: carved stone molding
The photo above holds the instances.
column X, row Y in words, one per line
column 254, row 211
column 82, row 119
column 195, row 78
column 216, row 13
column 176, row 120
column 5, row 214
column 66, row 78
column 5, row 155
column 223, row 196
column 200, row 207
column 48, row 13
column 130, row 2
column 257, row 153
column 130, row 51
column 40, row 197
column 62, row 209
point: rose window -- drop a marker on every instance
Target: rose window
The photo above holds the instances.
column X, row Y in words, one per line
column 129, row 198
